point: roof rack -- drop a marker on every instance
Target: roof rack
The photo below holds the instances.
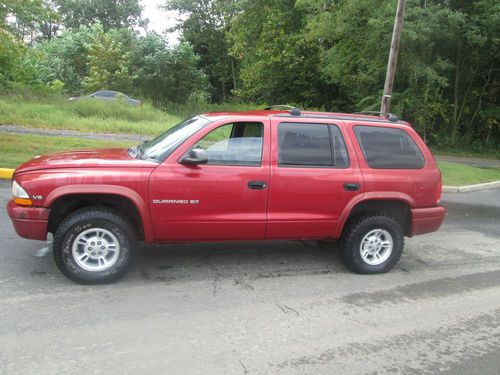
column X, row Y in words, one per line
column 279, row 106
column 336, row 117
column 294, row 111
column 389, row 116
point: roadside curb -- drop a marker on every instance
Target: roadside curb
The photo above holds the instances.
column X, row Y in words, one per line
column 6, row 173
column 467, row 188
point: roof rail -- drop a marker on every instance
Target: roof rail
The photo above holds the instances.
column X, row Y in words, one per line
column 279, row 106
column 389, row 116
column 294, row 111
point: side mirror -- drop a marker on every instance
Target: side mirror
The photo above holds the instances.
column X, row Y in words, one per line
column 195, row 156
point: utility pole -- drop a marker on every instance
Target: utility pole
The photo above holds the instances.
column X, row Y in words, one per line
column 393, row 58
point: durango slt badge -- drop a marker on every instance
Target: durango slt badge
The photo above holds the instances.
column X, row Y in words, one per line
column 176, row 201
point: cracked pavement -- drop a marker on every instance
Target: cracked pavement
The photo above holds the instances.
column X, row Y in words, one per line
column 262, row 308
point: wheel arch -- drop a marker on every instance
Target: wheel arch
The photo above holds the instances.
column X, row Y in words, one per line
column 64, row 200
column 397, row 205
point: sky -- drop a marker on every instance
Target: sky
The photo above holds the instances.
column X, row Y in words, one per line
column 160, row 20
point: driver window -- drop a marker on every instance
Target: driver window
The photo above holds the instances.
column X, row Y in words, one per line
column 238, row 143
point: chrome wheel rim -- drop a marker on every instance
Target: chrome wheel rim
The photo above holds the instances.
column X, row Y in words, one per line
column 376, row 247
column 96, row 249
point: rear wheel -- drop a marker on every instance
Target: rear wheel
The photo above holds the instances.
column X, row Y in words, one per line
column 94, row 245
column 372, row 244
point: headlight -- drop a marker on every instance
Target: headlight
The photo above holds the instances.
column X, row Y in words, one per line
column 20, row 195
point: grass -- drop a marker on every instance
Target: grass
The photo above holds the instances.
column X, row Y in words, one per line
column 84, row 115
column 16, row 149
column 455, row 174
column 484, row 154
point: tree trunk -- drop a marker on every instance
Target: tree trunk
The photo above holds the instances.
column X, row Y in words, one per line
column 233, row 73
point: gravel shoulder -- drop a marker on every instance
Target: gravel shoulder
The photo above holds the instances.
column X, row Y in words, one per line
column 16, row 129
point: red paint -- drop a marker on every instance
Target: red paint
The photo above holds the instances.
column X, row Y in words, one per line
column 296, row 203
column 29, row 222
column 426, row 220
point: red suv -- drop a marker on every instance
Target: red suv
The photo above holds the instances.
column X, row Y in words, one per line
column 256, row 175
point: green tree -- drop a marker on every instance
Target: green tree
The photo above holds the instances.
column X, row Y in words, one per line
column 108, row 63
column 111, row 14
column 65, row 58
column 167, row 75
column 278, row 65
column 30, row 21
column 446, row 66
column 205, row 27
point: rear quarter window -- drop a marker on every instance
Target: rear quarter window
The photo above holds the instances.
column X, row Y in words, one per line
column 386, row 148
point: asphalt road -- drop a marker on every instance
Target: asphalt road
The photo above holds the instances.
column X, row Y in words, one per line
column 262, row 308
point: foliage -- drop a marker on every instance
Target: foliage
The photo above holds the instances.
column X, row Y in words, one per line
column 108, row 63
column 29, row 20
column 167, row 74
column 111, row 14
column 66, row 59
column 278, row 65
column 205, row 27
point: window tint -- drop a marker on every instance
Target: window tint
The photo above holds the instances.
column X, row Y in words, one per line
column 386, row 148
column 340, row 156
column 234, row 144
column 304, row 145
column 104, row 94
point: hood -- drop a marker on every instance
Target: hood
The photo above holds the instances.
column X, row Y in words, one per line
column 89, row 158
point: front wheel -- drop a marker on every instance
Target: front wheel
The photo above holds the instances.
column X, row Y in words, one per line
column 373, row 244
column 94, row 245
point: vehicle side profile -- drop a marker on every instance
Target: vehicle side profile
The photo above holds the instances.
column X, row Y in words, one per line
column 108, row 95
column 271, row 174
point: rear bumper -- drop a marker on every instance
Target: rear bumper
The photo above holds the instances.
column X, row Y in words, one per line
column 29, row 222
column 426, row 220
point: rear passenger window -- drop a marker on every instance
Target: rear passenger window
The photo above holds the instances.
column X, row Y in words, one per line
column 311, row 145
column 386, row 148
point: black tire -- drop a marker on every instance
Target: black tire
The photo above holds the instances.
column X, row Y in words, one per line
column 118, row 234
column 361, row 227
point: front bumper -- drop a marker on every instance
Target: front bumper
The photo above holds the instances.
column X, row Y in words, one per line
column 426, row 220
column 29, row 222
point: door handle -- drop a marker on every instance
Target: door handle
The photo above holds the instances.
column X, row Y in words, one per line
column 351, row 186
column 257, row 185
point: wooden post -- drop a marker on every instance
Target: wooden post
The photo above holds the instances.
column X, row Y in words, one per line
column 393, row 58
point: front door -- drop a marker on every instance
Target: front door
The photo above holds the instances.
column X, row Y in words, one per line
column 222, row 200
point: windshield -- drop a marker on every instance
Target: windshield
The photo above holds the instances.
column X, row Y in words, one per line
column 162, row 146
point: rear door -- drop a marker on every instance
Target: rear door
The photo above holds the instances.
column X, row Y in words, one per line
column 314, row 174
column 222, row 200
